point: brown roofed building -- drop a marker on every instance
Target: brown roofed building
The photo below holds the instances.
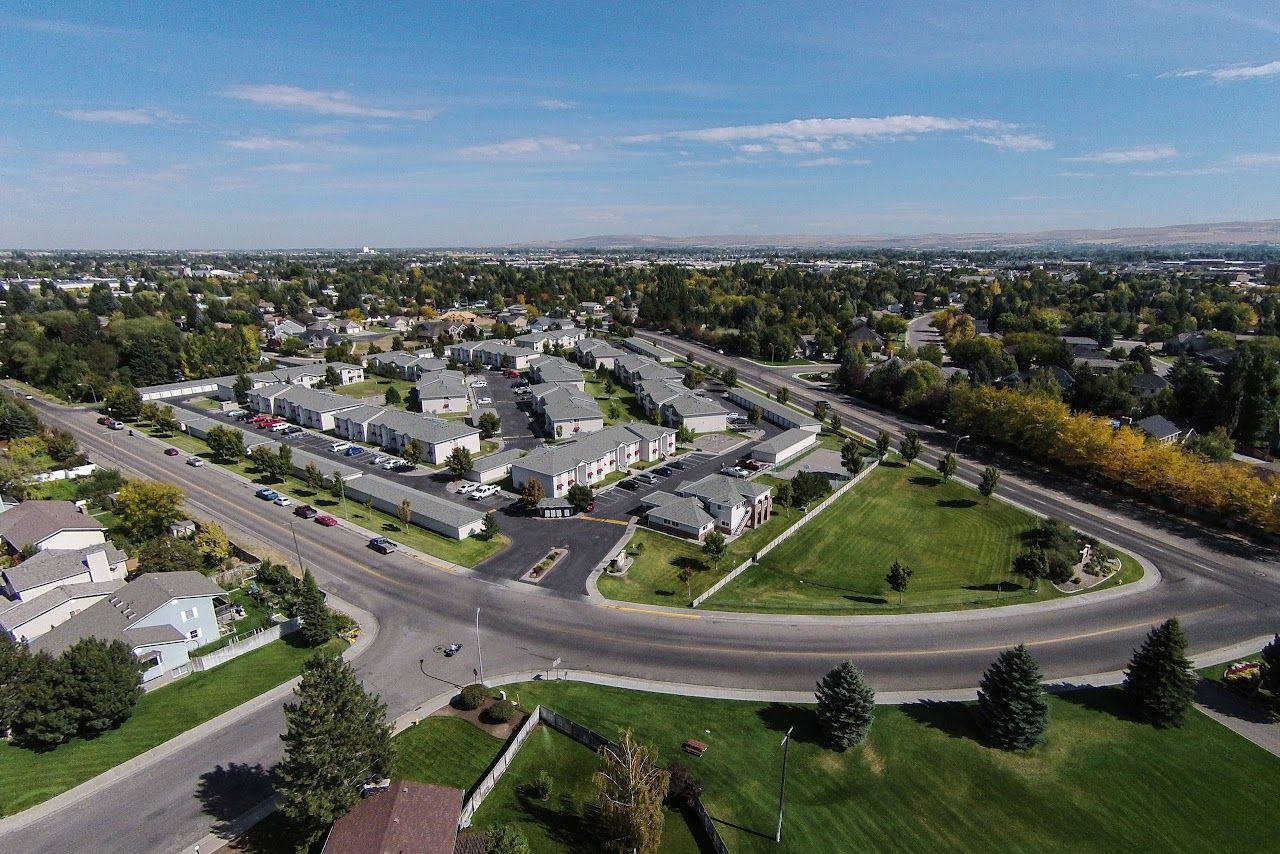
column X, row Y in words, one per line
column 405, row 818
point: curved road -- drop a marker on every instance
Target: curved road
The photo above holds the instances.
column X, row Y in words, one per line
column 1221, row 590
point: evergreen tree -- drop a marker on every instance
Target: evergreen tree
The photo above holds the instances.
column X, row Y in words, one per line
column 491, row 527
column 1012, row 711
column 317, row 621
column 851, row 457
column 1160, row 679
column 414, row 401
column 1271, row 667
column 336, row 739
column 44, row 717
column 15, row 668
column 846, row 706
column 101, row 685
column 392, row 396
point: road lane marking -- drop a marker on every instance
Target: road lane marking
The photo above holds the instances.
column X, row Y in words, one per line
column 606, row 521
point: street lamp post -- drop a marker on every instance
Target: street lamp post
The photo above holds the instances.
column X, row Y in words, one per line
column 958, row 441
column 782, row 787
column 296, row 547
column 479, row 653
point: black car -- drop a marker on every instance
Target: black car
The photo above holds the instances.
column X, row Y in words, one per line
column 629, row 485
column 382, row 545
column 663, row 471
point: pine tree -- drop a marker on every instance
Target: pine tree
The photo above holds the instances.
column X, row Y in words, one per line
column 317, row 621
column 1160, row 679
column 1271, row 667
column 101, row 684
column 44, row 717
column 1012, row 711
column 336, row 738
column 15, row 668
column 846, row 706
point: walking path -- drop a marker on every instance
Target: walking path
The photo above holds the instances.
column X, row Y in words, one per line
column 1241, row 716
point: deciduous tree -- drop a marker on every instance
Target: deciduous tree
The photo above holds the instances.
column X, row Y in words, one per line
column 851, row 457
column 947, row 466
column 883, row 441
column 630, row 787
column 459, row 461
column 148, row 507
column 909, row 447
column 899, row 578
column 413, row 453
column 715, row 546
column 989, row 481
column 532, row 493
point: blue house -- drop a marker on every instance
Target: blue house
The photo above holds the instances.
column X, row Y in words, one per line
column 160, row 616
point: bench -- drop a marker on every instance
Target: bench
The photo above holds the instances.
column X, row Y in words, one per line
column 694, row 747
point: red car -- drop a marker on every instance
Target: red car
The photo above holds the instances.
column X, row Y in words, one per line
column 171, row 452
column 105, row 421
column 327, row 521
column 513, row 374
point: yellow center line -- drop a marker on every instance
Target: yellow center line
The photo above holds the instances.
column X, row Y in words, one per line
column 606, row 521
column 654, row 613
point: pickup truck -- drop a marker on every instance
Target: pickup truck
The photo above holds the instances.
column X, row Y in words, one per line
column 382, row 545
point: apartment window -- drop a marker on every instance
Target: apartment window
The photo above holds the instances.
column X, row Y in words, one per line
column 189, row 614
column 194, row 634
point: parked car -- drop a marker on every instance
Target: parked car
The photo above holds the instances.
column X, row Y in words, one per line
column 327, row 521
column 292, row 430
column 390, row 464
column 482, row 401
column 115, row 425
column 353, row 451
column 281, row 501
column 195, row 462
column 233, row 413
column 482, row 492
column 105, row 421
column 379, row 460
column 171, row 452
column 467, row 486
column 282, row 428
column 736, row 471
column 663, row 471
column 647, row 477
column 513, row 374
column 451, row 650
column 403, row 468
column 480, row 384
column 629, row 485
column 678, row 464
column 267, row 494
column 339, row 447
column 382, row 545
column 305, row 511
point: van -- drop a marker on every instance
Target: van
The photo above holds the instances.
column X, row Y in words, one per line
column 339, row 447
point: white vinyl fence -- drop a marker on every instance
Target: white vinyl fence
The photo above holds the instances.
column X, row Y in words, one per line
column 497, row 769
column 258, row 639
column 64, row 474
column 783, row 537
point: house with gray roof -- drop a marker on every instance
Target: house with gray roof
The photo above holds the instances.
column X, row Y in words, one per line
column 161, row 616
column 593, row 353
column 49, row 525
column 1163, row 430
column 631, row 370
column 733, row 502
column 592, row 458
column 552, row 369
column 393, row 429
column 677, row 406
column 648, row 349
column 683, row 517
column 443, row 391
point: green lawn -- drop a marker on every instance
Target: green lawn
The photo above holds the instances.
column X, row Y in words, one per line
column 923, row 782
column 468, row 552
column 158, row 717
column 628, row 408
column 652, row 578
column 959, row 546
column 376, row 386
column 55, row 490
column 561, row 823
column 444, row 752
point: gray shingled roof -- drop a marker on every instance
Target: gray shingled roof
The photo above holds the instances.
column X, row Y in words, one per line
column 1156, row 426
column 493, row 461
column 318, row 401
column 430, row 430
column 24, row 612
column 784, row 440
column 684, row 511
column 722, row 489
column 116, row 617
column 33, row 521
column 52, row 565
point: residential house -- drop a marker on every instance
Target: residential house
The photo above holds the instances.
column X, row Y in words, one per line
column 393, row 429
column 594, row 353
column 1147, row 386
column 565, row 410
column 54, row 585
column 592, row 458
column 161, row 616
column 551, row 369
column 49, row 525
column 1163, row 430
column 404, row 817
column 301, row 405
column 732, row 504
column 677, row 406
column 631, row 370
column 443, row 391
column 865, row 335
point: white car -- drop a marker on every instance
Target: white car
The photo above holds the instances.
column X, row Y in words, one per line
column 735, row 471
column 390, row 464
column 379, row 460
column 466, row 487
column 280, row 428
column 281, row 501
column 339, row 447
column 482, row 492
column 483, row 400
column 195, row 462
column 480, row 384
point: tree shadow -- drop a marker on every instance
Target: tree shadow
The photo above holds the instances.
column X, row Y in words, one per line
column 684, row 562
column 228, row 791
column 664, row 593
column 565, row 822
column 1218, row 698
column 781, row 717
column 997, row 587
column 925, row 480
column 1110, row 701
column 957, row 503
column 868, row 600
column 954, row 720
column 894, row 464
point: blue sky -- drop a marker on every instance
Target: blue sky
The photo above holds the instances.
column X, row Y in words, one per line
column 416, row 124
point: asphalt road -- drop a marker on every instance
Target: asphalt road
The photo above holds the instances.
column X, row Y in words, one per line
column 1222, row 591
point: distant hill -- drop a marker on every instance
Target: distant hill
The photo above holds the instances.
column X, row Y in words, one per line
column 1253, row 233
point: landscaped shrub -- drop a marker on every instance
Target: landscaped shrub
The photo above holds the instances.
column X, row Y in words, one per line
column 539, row 787
column 683, row 789
column 500, row 712
column 472, row 697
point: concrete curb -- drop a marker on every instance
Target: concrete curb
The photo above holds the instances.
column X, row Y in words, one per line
column 130, row 767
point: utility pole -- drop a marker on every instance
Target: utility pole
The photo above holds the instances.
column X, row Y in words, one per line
column 782, row 788
column 479, row 653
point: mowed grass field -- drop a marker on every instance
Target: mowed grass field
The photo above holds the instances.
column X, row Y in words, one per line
column 444, row 751
column 959, row 546
column 923, row 782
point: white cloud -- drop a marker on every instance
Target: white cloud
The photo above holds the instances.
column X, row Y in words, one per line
column 526, row 147
column 1253, row 161
column 90, row 159
column 1015, row 141
column 828, row 130
column 263, row 143
column 1140, row 154
column 555, row 104
column 1075, row 175
column 316, row 101
column 297, row 168
column 114, row 117
column 1182, row 173
column 818, row 162
column 1244, row 72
